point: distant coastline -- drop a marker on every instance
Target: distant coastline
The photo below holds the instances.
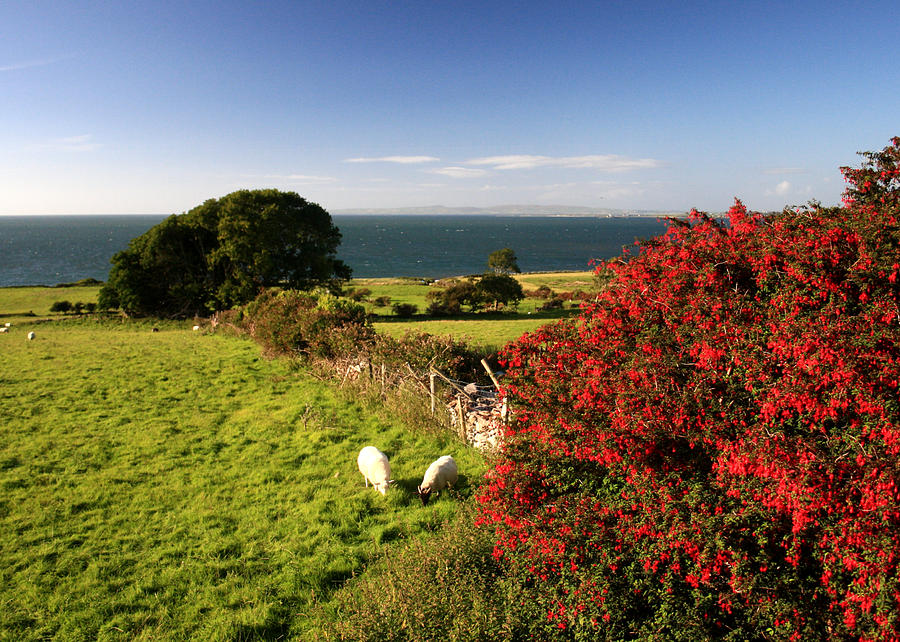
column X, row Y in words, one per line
column 563, row 211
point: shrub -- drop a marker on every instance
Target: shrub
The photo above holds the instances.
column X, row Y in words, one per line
column 307, row 323
column 423, row 351
column 543, row 292
column 449, row 300
column 446, row 587
column 556, row 303
column 358, row 294
column 711, row 449
column 382, row 301
column 61, row 306
column 405, row 309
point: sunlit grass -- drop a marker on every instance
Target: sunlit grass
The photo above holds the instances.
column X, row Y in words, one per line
column 174, row 485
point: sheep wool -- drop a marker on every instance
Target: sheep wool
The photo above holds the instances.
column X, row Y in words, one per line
column 441, row 474
column 375, row 468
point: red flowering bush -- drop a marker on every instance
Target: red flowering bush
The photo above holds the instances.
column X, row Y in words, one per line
column 710, row 450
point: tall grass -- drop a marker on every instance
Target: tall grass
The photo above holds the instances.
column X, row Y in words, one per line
column 174, row 485
column 447, row 588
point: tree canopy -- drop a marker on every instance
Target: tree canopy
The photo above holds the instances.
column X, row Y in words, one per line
column 503, row 261
column 499, row 288
column 221, row 253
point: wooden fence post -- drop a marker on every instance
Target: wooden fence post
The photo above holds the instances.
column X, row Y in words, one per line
column 491, row 374
column 431, row 386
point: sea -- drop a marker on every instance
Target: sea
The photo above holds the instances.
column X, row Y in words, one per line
column 50, row 250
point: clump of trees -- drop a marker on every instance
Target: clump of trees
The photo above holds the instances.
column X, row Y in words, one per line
column 222, row 253
column 65, row 307
column 492, row 290
column 711, row 450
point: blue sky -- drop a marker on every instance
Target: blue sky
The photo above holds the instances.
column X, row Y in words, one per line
column 153, row 107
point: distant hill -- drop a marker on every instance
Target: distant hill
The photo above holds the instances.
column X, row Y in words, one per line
column 513, row 210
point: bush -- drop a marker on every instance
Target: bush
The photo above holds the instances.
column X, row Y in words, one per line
column 297, row 323
column 358, row 294
column 405, row 309
column 61, row 306
column 543, row 292
column 711, row 449
column 382, row 301
column 446, row 587
column 556, row 303
column 423, row 351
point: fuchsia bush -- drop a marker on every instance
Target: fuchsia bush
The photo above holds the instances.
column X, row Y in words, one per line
column 711, row 448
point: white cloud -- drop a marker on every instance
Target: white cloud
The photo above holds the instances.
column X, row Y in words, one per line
column 403, row 160
column 28, row 64
column 782, row 188
column 603, row 162
column 459, row 172
column 82, row 143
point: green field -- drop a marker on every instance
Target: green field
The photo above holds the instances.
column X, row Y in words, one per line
column 485, row 330
column 174, row 485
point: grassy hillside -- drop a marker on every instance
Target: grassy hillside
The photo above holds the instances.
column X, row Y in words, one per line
column 173, row 485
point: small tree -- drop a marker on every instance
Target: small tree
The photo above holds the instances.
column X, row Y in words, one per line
column 495, row 289
column 503, row 261
column 61, row 306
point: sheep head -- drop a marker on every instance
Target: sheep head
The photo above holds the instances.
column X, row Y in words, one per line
column 424, row 495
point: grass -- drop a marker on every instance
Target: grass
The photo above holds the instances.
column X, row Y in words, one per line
column 491, row 331
column 24, row 303
column 486, row 331
column 174, row 485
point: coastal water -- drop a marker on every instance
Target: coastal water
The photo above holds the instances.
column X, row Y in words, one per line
column 47, row 250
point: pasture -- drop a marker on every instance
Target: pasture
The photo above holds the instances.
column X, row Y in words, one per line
column 174, row 485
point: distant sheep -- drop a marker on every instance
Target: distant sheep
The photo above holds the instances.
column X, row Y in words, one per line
column 4, row 329
column 196, row 327
column 442, row 473
column 31, row 336
column 7, row 324
column 375, row 467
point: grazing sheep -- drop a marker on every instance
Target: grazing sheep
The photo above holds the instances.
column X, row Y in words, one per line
column 7, row 324
column 375, row 467
column 441, row 474
column 4, row 329
column 31, row 336
column 196, row 327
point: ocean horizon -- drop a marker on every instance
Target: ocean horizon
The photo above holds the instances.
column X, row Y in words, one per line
column 54, row 249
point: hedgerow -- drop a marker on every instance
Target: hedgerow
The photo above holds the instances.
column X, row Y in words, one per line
column 710, row 450
column 306, row 324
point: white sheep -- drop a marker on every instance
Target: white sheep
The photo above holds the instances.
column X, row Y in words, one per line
column 7, row 324
column 31, row 336
column 375, row 467
column 4, row 329
column 442, row 473
column 196, row 327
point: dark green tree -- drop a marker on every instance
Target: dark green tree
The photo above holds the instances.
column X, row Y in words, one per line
column 495, row 289
column 221, row 253
column 61, row 306
column 503, row 261
column 451, row 299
